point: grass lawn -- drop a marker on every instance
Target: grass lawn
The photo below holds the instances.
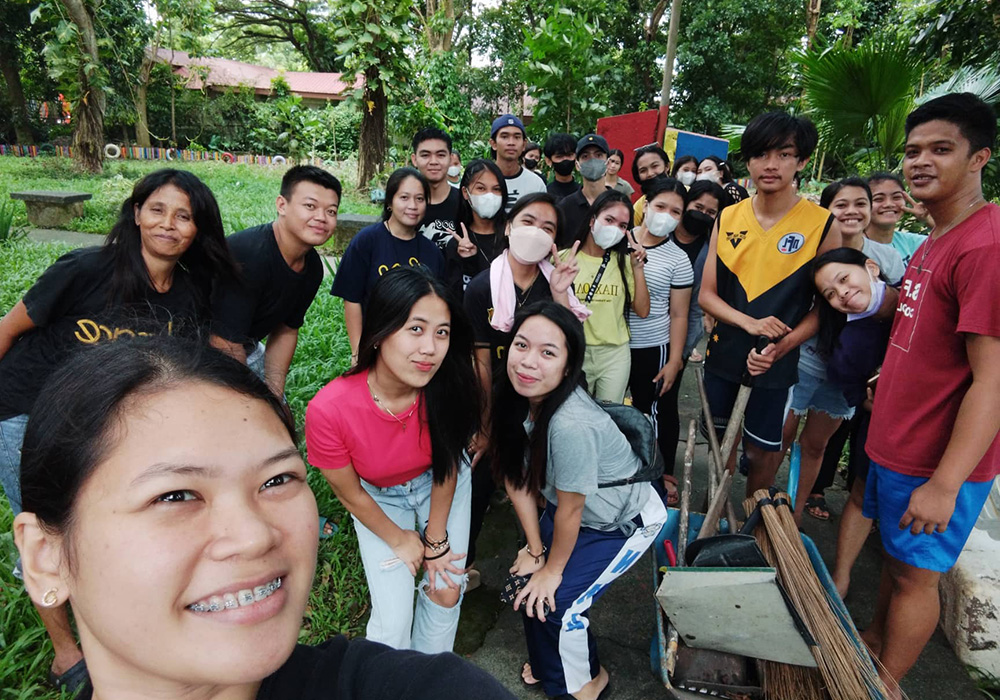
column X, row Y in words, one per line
column 339, row 599
column 245, row 193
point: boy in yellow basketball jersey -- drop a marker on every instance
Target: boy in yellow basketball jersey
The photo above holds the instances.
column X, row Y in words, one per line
column 757, row 282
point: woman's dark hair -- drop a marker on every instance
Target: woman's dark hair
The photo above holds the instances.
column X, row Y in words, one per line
column 664, row 183
column 883, row 176
column 700, row 188
column 617, row 152
column 640, row 152
column 534, row 198
column 606, row 200
column 207, row 260
column 773, row 130
column 724, row 169
column 831, row 321
column 392, row 187
column 510, row 445
column 532, row 146
column 472, row 172
column 75, row 422
column 834, row 188
column 681, row 162
column 452, row 395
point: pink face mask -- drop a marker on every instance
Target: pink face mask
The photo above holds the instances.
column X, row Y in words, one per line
column 529, row 244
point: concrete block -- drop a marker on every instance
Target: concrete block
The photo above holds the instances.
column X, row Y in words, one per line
column 348, row 225
column 47, row 215
column 970, row 594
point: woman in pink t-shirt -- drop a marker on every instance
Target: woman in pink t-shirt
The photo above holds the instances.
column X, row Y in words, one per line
column 390, row 437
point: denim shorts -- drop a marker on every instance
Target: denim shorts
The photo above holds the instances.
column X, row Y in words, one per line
column 11, row 437
column 821, row 395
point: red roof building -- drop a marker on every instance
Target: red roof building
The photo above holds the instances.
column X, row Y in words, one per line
column 223, row 74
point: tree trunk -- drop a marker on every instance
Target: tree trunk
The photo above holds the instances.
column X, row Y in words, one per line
column 12, row 76
column 88, row 130
column 812, row 20
column 142, row 118
column 88, row 113
column 439, row 34
column 372, row 141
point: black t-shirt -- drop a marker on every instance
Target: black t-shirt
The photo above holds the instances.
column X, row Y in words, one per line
column 574, row 210
column 561, row 190
column 459, row 271
column 271, row 293
column 439, row 220
column 692, row 249
column 373, row 252
column 362, row 670
column 479, row 307
column 71, row 307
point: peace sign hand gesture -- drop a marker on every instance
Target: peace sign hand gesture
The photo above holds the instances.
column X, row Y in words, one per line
column 638, row 253
column 565, row 270
column 918, row 211
column 466, row 248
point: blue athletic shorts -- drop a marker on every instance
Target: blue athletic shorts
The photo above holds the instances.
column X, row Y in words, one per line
column 764, row 419
column 887, row 496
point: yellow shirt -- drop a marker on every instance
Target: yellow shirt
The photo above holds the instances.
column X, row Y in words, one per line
column 639, row 210
column 606, row 325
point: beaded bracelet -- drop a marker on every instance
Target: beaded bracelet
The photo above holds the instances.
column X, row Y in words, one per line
column 438, row 556
column 537, row 557
column 433, row 544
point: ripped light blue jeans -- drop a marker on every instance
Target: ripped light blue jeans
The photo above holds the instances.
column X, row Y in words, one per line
column 430, row 628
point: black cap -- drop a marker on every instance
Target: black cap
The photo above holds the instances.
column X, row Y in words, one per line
column 592, row 140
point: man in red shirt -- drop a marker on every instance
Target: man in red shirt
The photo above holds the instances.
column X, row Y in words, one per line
column 934, row 439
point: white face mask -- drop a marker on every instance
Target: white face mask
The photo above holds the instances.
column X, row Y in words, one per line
column 711, row 177
column 607, row 236
column 454, row 171
column 687, row 178
column 486, row 205
column 660, row 223
column 529, row 244
column 877, row 287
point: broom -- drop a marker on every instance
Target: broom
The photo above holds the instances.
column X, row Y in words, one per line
column 784, row 681
column 845, row 668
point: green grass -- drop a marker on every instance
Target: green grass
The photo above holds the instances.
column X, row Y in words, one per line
column 339, row 600
column 245, row 193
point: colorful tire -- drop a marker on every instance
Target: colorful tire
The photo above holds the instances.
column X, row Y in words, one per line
column 47, row 148
column 228, row 158
column 278, row 160
column 171, row 153
column 112, row 151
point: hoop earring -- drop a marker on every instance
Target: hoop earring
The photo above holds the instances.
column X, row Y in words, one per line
column 50, row 598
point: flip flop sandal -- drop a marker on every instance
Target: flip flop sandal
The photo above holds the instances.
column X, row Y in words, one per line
column 323, row 534
column 72, row 679
column 673, row 497
column 817, row 508
column 524, row 680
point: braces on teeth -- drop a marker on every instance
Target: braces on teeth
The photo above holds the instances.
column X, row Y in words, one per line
column 245, row 597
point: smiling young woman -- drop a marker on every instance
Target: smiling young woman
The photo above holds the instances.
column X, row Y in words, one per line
column 390, row 437
column 154, row 275
column 167, row 501
column 551, row 440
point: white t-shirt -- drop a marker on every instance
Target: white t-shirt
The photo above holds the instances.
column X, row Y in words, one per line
column 667, row 267
column 525, row 182
column 888, row 258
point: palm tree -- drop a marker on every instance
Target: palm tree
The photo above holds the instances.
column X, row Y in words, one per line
column 859, row 96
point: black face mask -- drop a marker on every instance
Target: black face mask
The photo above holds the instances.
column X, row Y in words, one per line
column 564, row 167
column 697, row 223
column 530, row 163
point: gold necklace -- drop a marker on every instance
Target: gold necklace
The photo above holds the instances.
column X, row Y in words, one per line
column 385, row 408
column 527, row 291
column 955, row 221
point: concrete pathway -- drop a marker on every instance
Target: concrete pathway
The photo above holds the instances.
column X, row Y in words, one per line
column 492, row 635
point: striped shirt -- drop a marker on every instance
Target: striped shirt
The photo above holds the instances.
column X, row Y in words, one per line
column 667, row 267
